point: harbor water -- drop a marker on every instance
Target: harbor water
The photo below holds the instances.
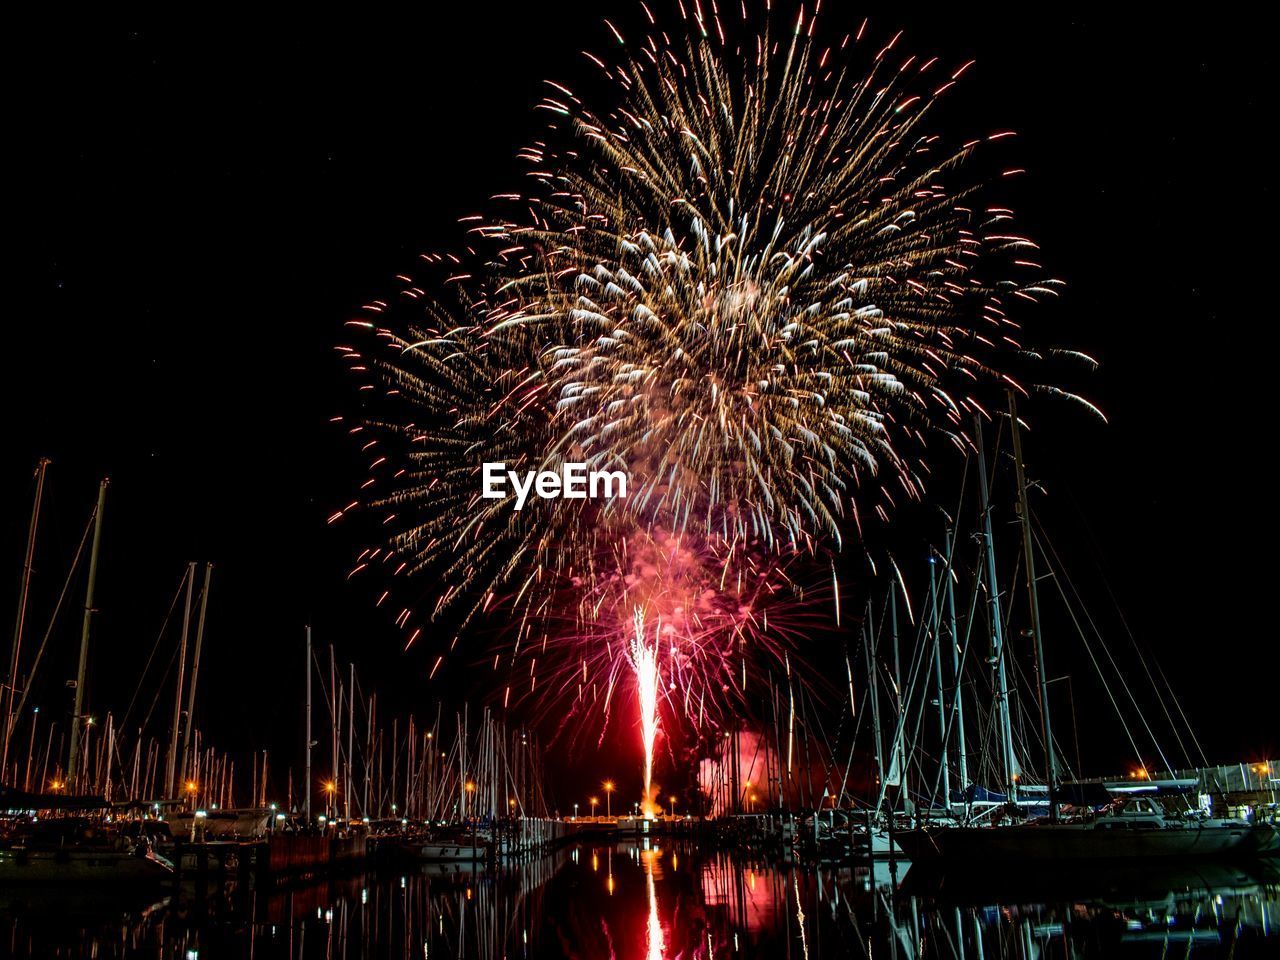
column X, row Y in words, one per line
column 653, row 900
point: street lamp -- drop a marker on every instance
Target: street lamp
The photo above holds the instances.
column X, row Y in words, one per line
column 475, row 826
column 608, row 797
column 594, row 802
column 672, row 801
column 575, row 811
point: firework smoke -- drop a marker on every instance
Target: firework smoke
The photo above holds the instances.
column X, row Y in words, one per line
column 722, row 618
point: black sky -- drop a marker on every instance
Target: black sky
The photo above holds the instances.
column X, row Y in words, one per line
column 200, row 205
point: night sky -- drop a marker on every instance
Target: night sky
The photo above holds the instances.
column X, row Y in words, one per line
column 200, row 206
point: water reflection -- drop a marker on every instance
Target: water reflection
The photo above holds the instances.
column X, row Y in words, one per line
column 672, row 902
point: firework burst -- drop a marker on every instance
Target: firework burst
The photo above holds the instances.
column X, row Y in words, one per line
column 753, row 285
column 755, row 281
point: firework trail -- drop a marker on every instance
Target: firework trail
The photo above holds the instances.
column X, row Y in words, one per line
column 754, row 284
column 644, row 661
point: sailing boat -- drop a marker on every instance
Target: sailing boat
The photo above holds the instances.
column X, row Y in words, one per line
column 1118, row 822
column 79, row 845
column 1124, row 831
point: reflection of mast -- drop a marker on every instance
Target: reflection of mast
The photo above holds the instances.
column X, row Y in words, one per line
column 997, row 624
column 1033, row 599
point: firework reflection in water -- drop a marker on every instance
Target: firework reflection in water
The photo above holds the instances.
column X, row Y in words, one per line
column 626, row 901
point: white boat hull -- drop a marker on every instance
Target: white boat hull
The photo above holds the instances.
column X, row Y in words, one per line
column 437, row 852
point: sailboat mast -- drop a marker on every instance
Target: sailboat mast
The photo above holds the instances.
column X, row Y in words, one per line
column 195, row 671
column 351, row 743
column 898, row 762
column 873, row 692
column 172, row 787
column 997, row 623
column 935, row 627
column 12, row 690
column 73, row 756
column 306, row 802
column 963, row 757
column 335, row 705
column 1033, row 599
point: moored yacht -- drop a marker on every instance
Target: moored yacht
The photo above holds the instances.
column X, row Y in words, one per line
column 1128, row 829
column 74, row 849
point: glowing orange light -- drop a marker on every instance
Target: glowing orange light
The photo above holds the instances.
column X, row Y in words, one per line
column 192, row 786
